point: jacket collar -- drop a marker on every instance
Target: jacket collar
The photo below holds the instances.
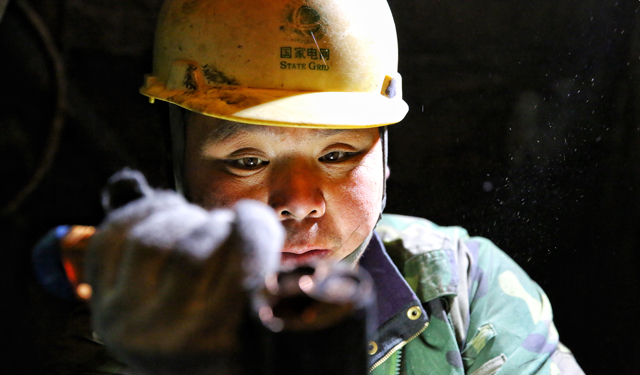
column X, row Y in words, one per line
column 400, row 315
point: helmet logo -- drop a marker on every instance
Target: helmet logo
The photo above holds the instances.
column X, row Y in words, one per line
column 303, row 23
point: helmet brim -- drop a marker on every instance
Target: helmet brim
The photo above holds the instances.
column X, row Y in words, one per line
column 304, row 109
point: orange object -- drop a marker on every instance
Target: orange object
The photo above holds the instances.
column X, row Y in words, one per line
column 73, row 247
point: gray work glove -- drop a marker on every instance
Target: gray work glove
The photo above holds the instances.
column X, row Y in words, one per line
column 173, row 283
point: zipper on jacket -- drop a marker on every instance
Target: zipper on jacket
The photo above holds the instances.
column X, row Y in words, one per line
column 398, row 362
column 396, row 348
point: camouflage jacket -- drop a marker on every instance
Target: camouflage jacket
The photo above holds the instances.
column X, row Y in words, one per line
column 482, row 313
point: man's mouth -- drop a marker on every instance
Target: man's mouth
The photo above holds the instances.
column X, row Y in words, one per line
column 304, row 257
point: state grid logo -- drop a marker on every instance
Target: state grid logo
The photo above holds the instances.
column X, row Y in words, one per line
column 303, row 23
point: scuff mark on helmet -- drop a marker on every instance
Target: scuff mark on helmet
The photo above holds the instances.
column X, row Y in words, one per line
column 189, row 81
column 214, row 76
column 233, row 99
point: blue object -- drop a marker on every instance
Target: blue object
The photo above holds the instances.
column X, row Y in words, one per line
column 47, row 264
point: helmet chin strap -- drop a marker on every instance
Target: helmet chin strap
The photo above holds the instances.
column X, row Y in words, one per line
column 384, row 135
column 178, row 119
column 177, row 123
column 354, row 256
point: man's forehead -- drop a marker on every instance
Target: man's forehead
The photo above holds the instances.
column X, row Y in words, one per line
column 220, row 130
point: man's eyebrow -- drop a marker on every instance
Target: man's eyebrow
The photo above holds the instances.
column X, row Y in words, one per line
column 227, row 129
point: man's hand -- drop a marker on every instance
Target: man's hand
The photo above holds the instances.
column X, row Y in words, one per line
column 171, row 281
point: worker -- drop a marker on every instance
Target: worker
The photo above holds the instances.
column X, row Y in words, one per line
column 287, row 102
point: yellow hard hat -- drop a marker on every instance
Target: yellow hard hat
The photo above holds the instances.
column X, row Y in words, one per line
column 300, row 63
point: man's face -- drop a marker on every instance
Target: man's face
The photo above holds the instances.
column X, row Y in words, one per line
column 325, row 185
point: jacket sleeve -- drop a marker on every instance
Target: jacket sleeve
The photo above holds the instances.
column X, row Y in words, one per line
column 510, row 322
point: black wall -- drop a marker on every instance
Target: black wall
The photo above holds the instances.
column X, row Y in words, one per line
column 523, row 127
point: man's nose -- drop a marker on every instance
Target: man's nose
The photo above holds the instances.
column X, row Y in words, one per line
column 297, row 192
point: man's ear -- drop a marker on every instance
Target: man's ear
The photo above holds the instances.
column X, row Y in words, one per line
column 387, row 172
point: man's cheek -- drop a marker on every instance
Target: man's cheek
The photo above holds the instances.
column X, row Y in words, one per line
column 215, row 195
column 360, row 204
column 364, row 190
column 228, row 193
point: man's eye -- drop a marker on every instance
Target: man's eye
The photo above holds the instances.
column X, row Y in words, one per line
column 249, row 163
column 334, row 156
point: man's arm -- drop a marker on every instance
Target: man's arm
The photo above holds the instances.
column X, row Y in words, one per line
column 511, row 328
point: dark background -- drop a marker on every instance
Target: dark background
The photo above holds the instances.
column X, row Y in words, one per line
column 523, row 127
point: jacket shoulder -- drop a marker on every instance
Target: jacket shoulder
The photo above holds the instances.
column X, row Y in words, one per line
column 407, row 236
column 430, row 257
